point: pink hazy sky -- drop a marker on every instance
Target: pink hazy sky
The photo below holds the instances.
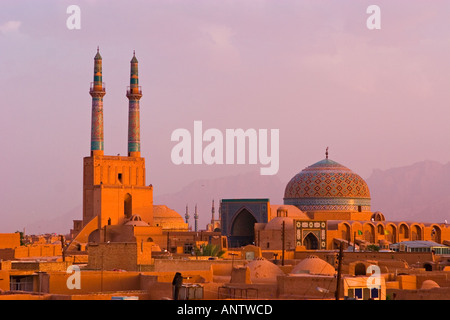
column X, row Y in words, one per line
column 312, row 69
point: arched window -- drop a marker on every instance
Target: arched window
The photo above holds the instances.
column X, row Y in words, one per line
column 369, row 232
column 403, row 231
column 360, row 269
column 436, row 234
column 391, row 233
column 416, row 233
column 346, row 232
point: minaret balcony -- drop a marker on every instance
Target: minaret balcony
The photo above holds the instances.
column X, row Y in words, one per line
column 134, row 90
column 96, row 88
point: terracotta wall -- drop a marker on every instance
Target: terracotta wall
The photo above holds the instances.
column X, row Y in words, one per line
column 297, row 287
column 430, row 294
column 40, row 266
column 7, row 254
column 37, row 250
column 4, row 280
column 9, row 240
column 91, row 282
column 127, row 256
column 409, row 257
column 188, row 265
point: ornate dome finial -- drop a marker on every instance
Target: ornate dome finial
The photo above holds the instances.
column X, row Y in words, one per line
column 326, row 153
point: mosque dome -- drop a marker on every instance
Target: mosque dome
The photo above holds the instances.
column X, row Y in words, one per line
column 327, row 185
column 168, row 218
column 313, row 265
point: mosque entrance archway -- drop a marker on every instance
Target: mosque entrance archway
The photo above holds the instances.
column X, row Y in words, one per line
column 311, row 242
column 243, row 229
column 127, row 206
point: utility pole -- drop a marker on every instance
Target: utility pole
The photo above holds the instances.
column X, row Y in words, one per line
column 338, row 282
column 283, row 231
column 63, row 250
column 168, row 242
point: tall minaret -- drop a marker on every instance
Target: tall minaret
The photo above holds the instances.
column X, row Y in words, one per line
column 97, row 92
column 186, row 216
column 196, row 219
column 134, row 94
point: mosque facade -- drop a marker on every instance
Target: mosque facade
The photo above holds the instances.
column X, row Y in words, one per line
column 324, row 205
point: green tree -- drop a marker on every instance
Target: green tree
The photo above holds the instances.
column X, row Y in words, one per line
column 22, row 243
column 373, row 247
column 210, row 250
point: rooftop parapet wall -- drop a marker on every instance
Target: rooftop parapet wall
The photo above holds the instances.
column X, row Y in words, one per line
column 33, row 251
column 188, row 265
column 9, row 240
column 40, row 266
column 409, row 257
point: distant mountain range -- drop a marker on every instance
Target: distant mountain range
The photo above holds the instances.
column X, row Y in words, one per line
column 202, row 192
column 60, row 224
column 418, row 192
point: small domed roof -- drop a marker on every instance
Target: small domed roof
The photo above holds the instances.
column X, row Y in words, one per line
column 429, row 284
column 378, row 216
column 277, row 223
column 136, row 221
column 291, row 211
column 313, row 265
column 262, row 270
